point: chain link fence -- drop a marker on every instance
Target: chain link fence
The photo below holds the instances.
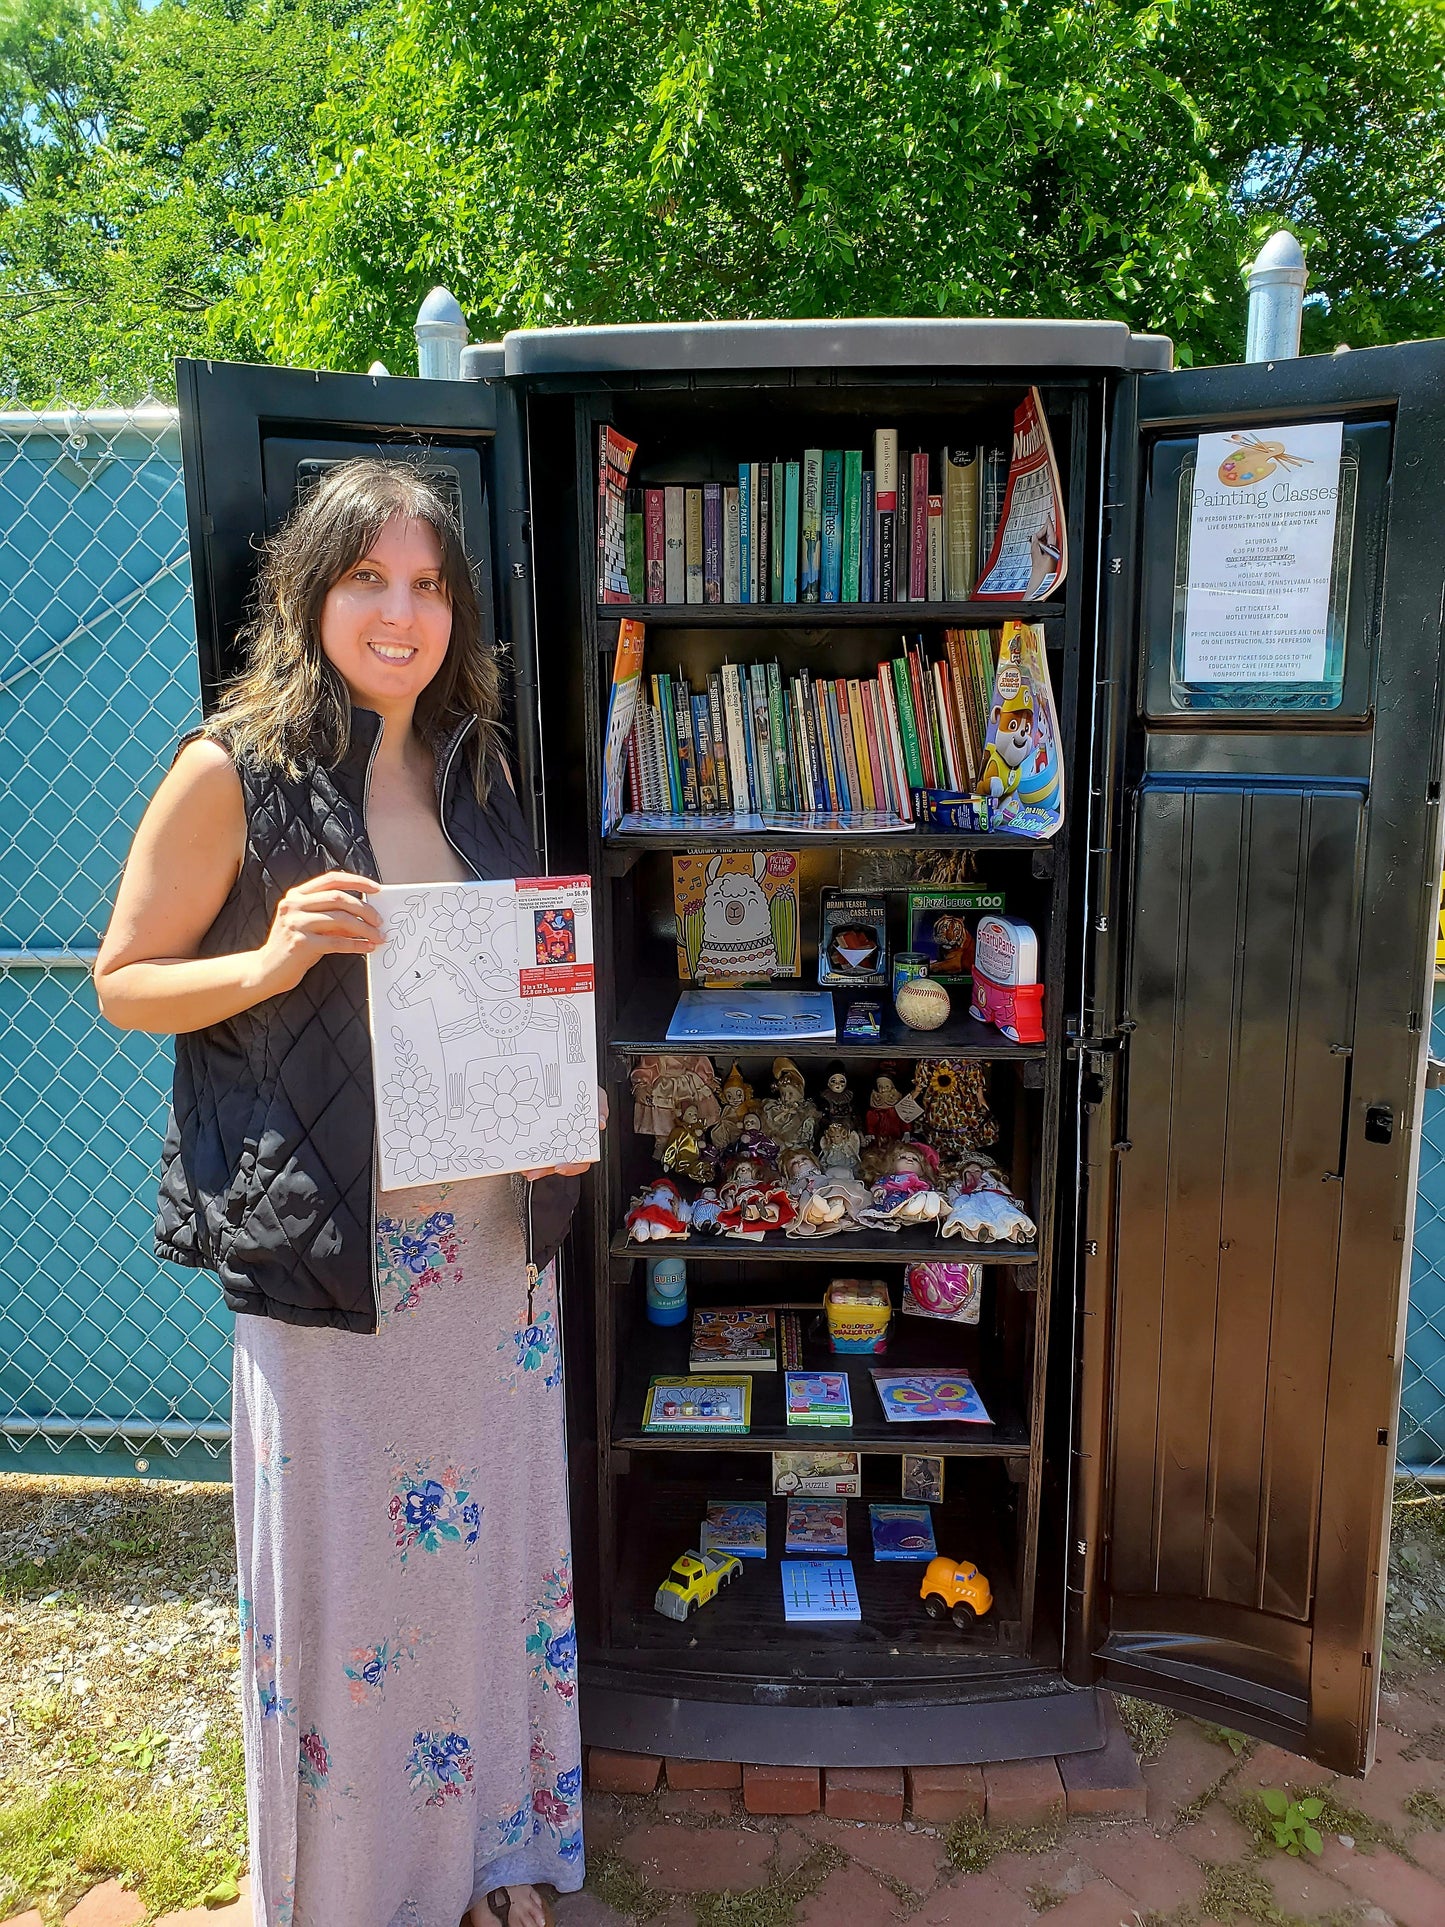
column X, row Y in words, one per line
column 1421, row 1452
column 109, row 1360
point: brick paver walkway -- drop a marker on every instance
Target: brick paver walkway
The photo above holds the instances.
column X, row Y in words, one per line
column 1190, row 1860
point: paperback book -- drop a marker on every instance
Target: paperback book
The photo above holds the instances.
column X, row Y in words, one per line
column 902, row 1532
column 739, row 1526
column 614, row 459
column 818, row 1398
column 929, row 1398
column 704, row 1402
column 817, row 1525
column 738, row 1016
column 741, row 1340
column 1029, row 557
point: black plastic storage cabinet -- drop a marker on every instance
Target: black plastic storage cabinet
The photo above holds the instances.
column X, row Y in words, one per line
column 1194, row 1375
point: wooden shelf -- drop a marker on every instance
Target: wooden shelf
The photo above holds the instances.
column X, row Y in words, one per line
column 853, row 1247
column 623, row 847
column 914, row 1345
column 746, row 1619
column 641, row 1029
column 826, row 615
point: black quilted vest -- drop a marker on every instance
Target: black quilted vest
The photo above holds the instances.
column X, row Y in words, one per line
column 267, row 1174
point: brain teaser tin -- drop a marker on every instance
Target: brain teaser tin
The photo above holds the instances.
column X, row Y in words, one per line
column 1006, row 990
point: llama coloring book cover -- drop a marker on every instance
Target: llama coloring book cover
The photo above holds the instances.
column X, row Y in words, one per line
column 483, row 1038
column 737, row 916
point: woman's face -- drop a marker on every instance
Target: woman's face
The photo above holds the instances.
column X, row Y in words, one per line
column 386, row 624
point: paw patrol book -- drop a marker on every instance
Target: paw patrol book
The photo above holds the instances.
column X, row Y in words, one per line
column 737, row 916
column 1022, row 777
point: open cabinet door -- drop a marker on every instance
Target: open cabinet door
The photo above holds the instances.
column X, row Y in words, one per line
column 1253, row 1011
column 254, row 439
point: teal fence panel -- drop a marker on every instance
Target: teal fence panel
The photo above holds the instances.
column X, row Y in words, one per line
column 1422, row 1391
column 109, row 1360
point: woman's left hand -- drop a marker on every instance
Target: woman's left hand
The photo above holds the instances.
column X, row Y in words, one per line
column 574, row 1170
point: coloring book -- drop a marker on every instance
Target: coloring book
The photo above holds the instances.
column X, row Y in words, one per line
column 483, row 1039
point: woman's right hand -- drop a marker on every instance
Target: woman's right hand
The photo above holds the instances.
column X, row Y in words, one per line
column 322, row 917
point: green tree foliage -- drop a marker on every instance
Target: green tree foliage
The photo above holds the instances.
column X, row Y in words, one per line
column 130, row 140
column 581, row 161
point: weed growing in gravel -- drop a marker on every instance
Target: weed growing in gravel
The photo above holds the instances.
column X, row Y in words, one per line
column 971, row 1845
column 1428, row 1808
column 1148, row 1726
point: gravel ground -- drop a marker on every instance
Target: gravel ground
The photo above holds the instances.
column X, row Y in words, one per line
column 118, row 1636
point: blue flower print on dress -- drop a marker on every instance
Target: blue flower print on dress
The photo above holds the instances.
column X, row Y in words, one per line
column 272, row 1701
column 413, row 1254
column 552, row 1635
column 369, row 1667
column 431, row 1512
column 532, row 1347
column 439, row 1765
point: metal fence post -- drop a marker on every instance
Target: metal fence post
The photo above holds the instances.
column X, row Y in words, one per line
column 1277, row 280
column 441, row 334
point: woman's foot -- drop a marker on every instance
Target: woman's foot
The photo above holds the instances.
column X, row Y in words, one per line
column 526, row 1909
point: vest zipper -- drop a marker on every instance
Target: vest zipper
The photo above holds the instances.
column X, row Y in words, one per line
column 371, row 1179
column 458, row 738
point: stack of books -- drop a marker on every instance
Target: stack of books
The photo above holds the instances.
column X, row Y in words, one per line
column 755, row 740
column 916, row 526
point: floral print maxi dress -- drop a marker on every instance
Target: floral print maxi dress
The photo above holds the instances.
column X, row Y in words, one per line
column 409, row 1660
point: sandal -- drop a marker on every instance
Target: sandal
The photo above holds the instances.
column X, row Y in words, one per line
column 499, row 1902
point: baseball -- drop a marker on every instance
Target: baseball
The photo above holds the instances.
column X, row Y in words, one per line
column 922, row 1003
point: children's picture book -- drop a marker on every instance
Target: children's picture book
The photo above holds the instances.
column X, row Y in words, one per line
column 818, row 1398
column 853, row 939
column 923, row 1477
column 483, row 1037
column 1030, row 553
column 701, row 1402
column 820, row 1475
column 736, row 1525
column 918, row 1398
column 1022, row 775
column 742, row 1340
column 902, row 1532
column 817, row 1525
column 942, row 924
column 621, row 712
column 818, row 1589
column 737, row 916
column 769, row 1016
column 614, row 459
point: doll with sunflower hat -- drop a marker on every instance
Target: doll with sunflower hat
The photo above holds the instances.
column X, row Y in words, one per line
column 952, row 1094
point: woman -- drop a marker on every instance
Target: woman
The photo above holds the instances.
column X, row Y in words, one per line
column 409, row 1656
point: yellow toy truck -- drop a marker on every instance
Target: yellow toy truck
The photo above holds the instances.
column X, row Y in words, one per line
column 696, row 1577
column 954, row 1587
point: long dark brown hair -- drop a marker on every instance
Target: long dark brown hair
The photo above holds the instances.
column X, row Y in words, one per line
column 289, row 707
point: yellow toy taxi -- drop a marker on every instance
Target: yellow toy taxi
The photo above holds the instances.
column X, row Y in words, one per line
column 696, row 1577
column 954, row 1587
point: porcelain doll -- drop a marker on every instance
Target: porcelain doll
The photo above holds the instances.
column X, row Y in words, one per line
column 754, row 1142
column 753, row 1201
column 908, row 1194
column 790, row 1114
column 737, row 1100
column 662, row 1088
column 882, row 1117
column 836, row 1098
column 705, row 1210
column 983, row 1210
column 953, row 1095
column 660, row 1211
column 687, row 1150
column 839, row 1148
column 826, row 1202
